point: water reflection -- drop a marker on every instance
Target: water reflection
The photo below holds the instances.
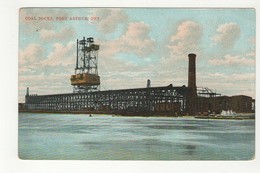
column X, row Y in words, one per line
column 91, row 145
column 190, row 149
column 48, row 136
column 173, row 127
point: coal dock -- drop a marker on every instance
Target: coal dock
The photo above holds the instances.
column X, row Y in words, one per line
column 87, row 98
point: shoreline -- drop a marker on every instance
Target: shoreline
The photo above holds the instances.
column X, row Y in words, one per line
column 239, row 116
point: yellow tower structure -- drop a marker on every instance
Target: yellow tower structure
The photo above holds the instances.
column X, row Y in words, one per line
column 86, row 78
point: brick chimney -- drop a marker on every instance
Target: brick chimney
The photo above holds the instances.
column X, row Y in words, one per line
column 192, row 75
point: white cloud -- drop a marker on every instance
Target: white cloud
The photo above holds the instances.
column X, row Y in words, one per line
column 234, row 77
column 32, row 77
column 31, row 54
column 229, row 84
column 243, row 77
column 135, row 40
column 116, row 65
column 44, row 84
column 64, row 34
column 227, row 34
column 44, row 79
column 186, row 39
column 61, row 55
column 109, row 19
column 33, row 60
column 118, row 73
column 234, row 60
column 216, row 75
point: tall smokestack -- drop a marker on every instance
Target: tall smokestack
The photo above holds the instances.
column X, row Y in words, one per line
column 192, row 74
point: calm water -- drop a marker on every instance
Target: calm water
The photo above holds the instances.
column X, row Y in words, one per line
column 103, row 137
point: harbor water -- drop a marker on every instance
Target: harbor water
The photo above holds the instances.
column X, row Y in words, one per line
column 107, row 137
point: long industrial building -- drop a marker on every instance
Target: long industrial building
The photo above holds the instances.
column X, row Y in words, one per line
column 165, row 100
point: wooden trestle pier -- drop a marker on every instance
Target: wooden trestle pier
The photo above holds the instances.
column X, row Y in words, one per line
column 168, row 99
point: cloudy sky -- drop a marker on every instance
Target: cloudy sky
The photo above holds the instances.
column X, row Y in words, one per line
column 137, row 44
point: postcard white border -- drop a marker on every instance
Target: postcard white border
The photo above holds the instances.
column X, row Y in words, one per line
column 9, row 161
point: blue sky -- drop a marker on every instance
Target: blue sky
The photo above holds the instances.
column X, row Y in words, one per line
column 137, row 44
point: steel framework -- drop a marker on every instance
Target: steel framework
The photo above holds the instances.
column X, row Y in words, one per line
column 206, row 92
column 87, row 62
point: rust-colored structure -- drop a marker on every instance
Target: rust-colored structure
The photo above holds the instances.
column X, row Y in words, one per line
column 210, row 102
column 192, row 75
column 239, row 103
column 85, row 79
column 192, row 88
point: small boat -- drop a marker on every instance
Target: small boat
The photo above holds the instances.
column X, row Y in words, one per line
column 90, row 115
column 227, row 113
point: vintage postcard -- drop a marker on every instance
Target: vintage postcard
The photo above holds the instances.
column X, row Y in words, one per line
column 136, row 84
